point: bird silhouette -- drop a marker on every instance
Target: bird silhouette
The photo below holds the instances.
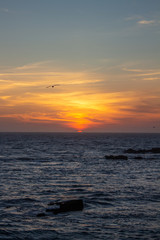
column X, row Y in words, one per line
column 52, row 86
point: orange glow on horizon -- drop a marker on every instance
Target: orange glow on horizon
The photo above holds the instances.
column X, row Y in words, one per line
column 80, row 103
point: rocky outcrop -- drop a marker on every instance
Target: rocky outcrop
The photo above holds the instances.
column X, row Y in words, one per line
column 116, row 157
column 66, row 206
column 138, row 158
column 143, row 151
column 41, row 215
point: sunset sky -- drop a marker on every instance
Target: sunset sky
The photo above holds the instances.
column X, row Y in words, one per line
column 104, row 54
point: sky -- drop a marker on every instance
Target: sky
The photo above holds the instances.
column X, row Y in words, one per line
column 104, row 55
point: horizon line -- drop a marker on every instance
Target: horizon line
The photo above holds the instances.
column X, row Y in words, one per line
column 80, row 132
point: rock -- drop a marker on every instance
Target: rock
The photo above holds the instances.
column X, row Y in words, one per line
column 143, row 151
column 41, row 215
column 116, row 157
column 67, row 206
column 138, row 158
column 130, row 150
column 155, row 150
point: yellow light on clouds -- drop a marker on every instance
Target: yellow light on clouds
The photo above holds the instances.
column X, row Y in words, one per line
column 79, row 102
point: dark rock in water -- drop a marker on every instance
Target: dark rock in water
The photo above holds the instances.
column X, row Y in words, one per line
column 41, row 215
column 138, row 158
column 143, row 151
column 155, row 150
column 67, row 206
column 116, row 157
column 130, row 150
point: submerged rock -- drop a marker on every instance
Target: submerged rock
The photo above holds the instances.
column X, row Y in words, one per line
column 143, row 151
column 138, row 158
column 155, row 150
column 67, row 206
column 116, row 157
column 41, row 215
column 130, row 150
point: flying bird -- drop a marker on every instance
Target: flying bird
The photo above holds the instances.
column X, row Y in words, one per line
column 52, row 86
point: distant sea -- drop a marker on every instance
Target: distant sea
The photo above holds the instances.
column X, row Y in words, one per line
column 121, row 197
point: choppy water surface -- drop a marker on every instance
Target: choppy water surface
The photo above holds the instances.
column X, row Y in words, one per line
column 121, row 197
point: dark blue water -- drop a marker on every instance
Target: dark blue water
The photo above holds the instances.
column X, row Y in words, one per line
column 121, row 197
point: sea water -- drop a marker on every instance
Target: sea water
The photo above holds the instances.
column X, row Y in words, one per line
column 121, row 197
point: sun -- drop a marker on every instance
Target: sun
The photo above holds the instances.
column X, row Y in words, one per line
column 79, row 131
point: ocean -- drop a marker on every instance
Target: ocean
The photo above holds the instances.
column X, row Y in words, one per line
column 121, row 197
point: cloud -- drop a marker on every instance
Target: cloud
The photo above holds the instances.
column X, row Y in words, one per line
column 151, row 78
column 84, row 99
column 153, row 73
column 140, row 20
column 132, row 18
column 41, row 74
column 132, row 69
column 146, row 22
column 6, row 10
column 142, row 109
column 32, row 65
column 144, row 74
